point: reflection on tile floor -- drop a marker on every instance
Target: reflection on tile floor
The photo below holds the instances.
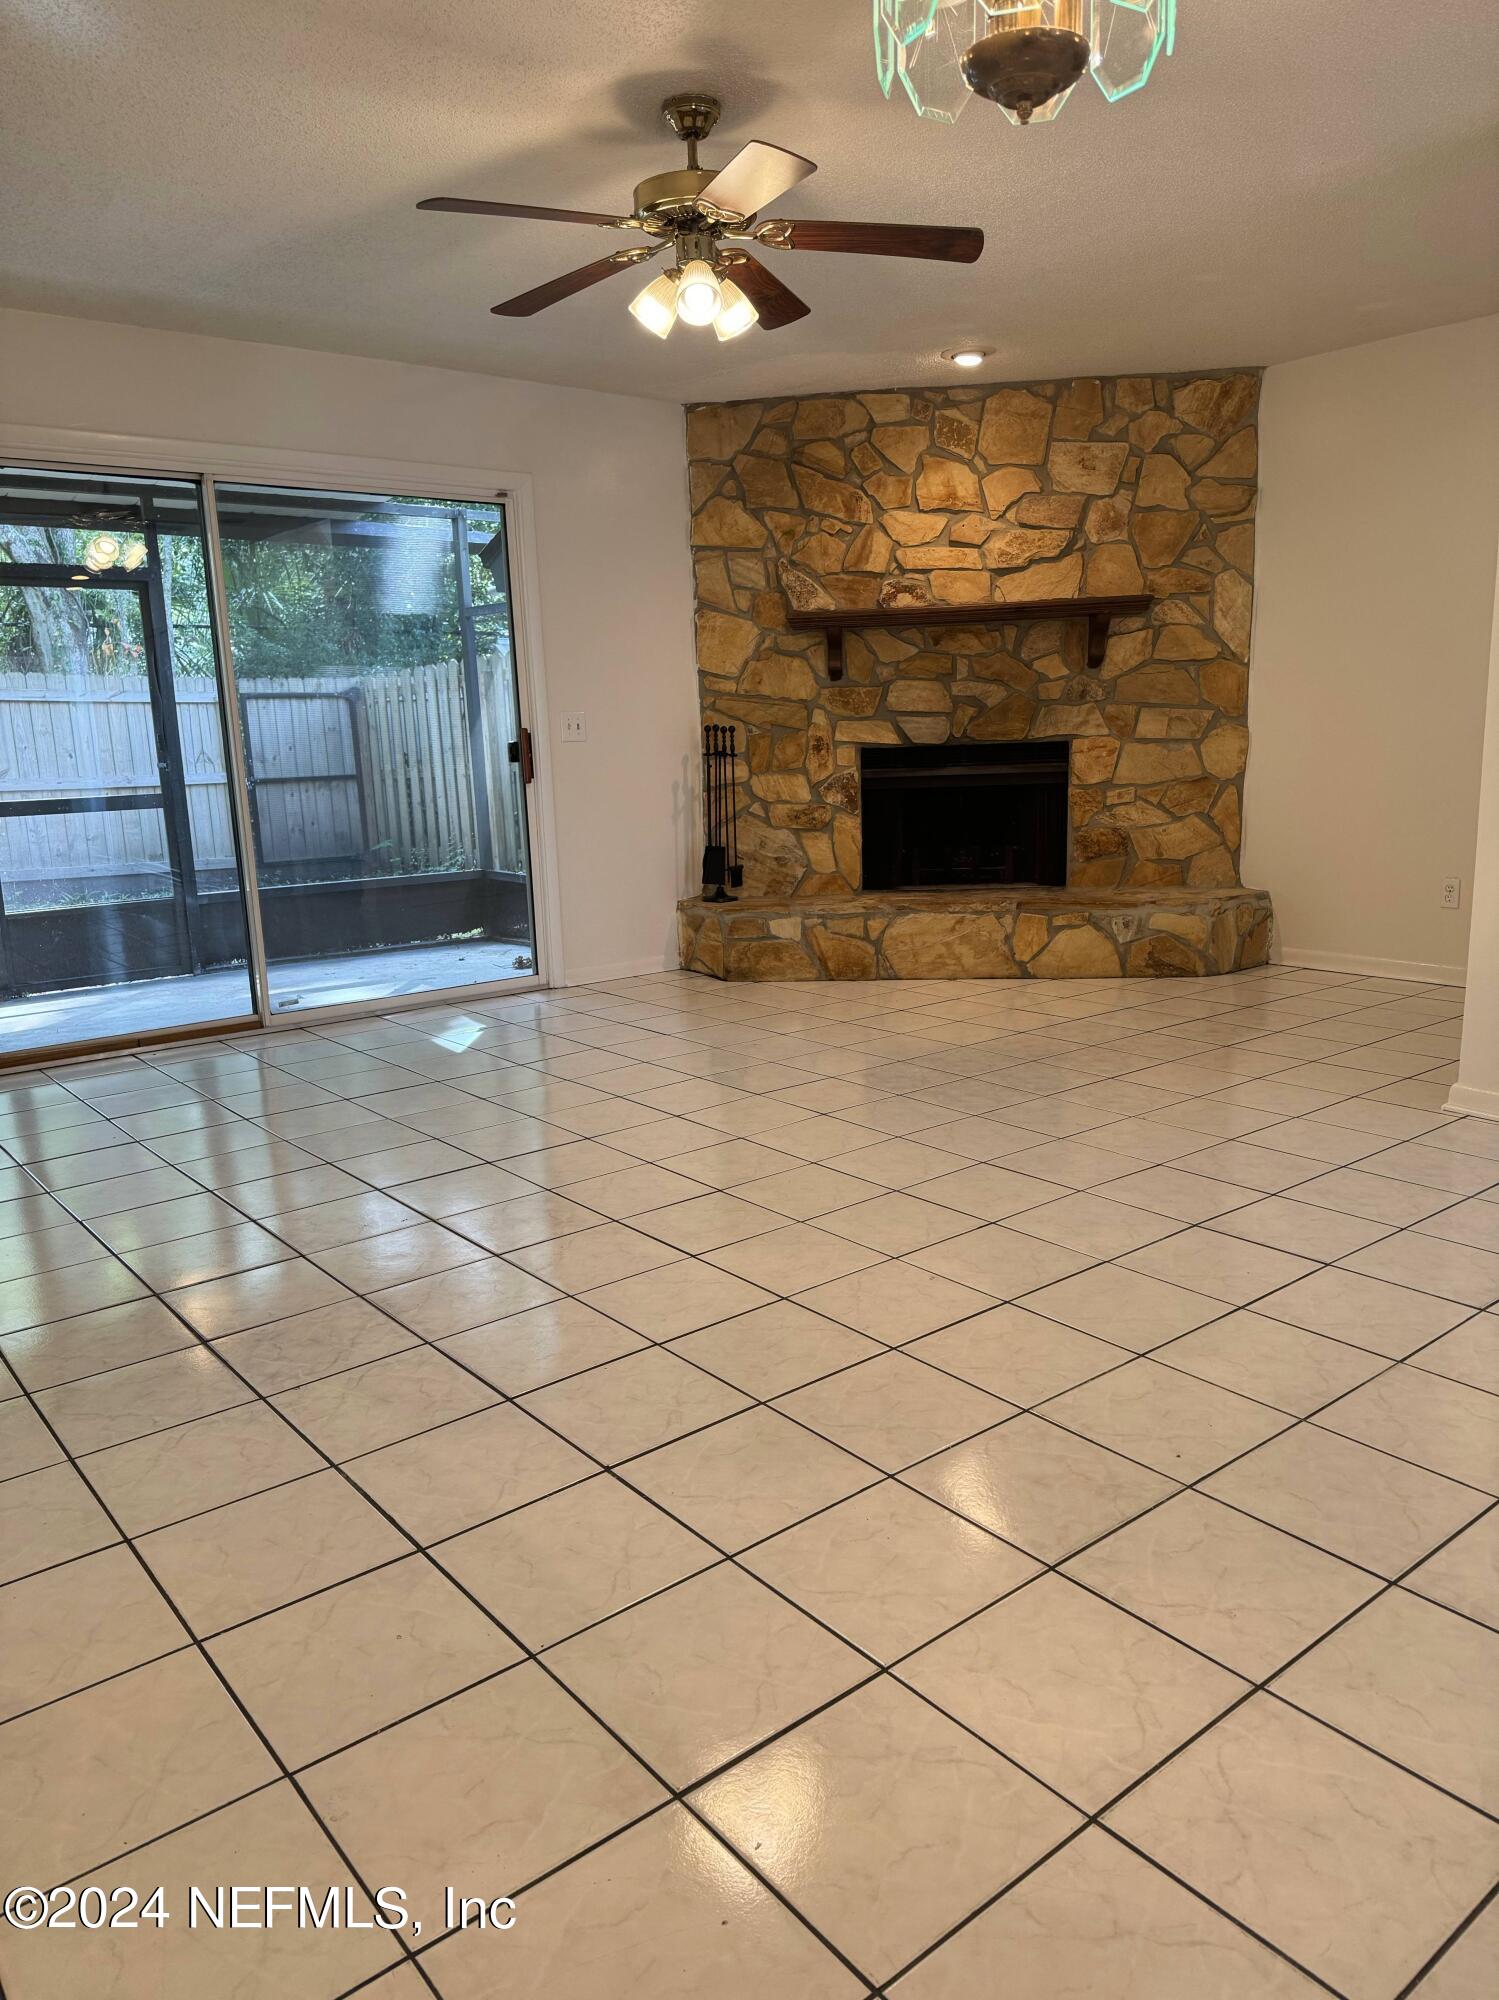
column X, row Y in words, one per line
column 938, row 1490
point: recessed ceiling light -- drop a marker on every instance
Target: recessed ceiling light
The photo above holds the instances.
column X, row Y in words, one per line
column 966, row 357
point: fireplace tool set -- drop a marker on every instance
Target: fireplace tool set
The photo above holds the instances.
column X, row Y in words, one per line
column 722, row 870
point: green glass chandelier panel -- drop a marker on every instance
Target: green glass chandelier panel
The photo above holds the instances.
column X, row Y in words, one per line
column 919, row 46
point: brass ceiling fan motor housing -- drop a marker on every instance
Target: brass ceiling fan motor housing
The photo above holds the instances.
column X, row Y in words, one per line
column 668, row 197
column 1024, row 68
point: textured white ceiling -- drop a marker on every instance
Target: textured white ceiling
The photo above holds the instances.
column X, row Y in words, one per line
column 1303, row 175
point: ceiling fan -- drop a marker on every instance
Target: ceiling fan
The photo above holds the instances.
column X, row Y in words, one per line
column 703, row 214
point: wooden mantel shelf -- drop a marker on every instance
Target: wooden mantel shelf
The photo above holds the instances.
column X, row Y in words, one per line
column 1099, row 612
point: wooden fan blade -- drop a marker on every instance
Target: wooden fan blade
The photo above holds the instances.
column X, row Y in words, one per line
column 756, row 176
column 878, row 239
column 458, row 205
column 776, row 303
column 525, row 303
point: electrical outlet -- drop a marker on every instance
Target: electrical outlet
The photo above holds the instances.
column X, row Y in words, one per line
column 1452, row 892
column 574, row 729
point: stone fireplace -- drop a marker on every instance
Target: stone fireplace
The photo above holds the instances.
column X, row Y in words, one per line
column 1112, row 772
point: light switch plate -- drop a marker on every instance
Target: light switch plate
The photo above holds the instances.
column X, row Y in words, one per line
column 574, row 729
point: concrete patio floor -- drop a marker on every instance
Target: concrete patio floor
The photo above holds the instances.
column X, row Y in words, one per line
column 151, row 1006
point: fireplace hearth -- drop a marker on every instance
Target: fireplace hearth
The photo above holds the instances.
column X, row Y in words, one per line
column 961, row 815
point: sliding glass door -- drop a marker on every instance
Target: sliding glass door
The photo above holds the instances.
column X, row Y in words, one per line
column 376, row 771
column 121, row 901
column 387, row 762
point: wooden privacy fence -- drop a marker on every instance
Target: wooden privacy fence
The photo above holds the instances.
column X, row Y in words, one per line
column 355, row 776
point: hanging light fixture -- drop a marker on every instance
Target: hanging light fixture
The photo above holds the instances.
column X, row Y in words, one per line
column 698, row 296
column 1027, row 56
column 1030, row 55
column 737, row 313
column 104, row 550
column 101, row 551
column 656, row 306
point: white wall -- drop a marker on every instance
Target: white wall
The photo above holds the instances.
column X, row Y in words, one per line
column 615, row 582
column 1379, row 519
column 1477, row 1086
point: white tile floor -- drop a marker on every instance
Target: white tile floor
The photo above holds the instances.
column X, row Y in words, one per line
column 938, row 1490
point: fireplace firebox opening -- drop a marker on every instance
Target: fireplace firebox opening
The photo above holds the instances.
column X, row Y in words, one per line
column 948, row 815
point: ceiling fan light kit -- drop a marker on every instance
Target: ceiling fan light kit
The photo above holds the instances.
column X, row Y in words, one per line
column 736, row 315
column 706, row 215
column 1026, row 56
column 698, row 296
column 656, row 307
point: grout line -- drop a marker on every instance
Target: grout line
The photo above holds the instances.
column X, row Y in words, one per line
column 1447, row 1943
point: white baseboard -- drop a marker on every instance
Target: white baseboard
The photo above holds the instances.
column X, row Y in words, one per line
column 1472, row 1102
column 601, row 975
column 1310, row 960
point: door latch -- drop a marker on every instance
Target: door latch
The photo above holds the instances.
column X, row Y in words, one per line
column 520, row 753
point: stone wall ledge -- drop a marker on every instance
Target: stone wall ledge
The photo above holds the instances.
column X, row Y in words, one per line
column 990, row 933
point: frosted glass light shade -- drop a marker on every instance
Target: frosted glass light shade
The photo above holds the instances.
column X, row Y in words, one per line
column 699, row 295
column 737, row 313
column 102, row 551
column 656, row 306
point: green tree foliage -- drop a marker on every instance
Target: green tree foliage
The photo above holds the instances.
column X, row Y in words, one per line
column 380, row 593
column 53, row 630
column 304, row 602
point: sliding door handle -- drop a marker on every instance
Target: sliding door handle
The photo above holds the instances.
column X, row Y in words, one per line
column 520, row 753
